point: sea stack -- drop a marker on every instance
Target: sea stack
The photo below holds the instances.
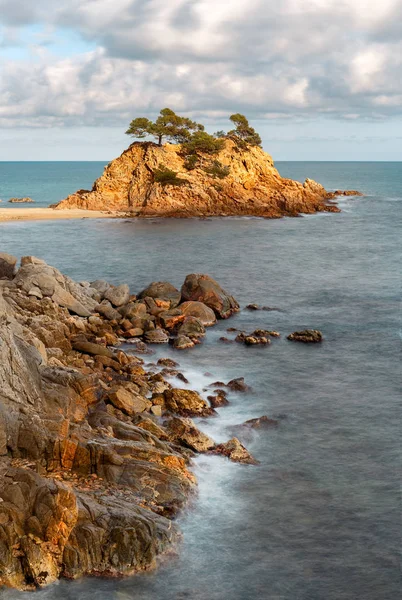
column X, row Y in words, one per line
column 234, row 182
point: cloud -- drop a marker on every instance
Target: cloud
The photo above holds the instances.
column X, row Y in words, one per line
column 297, row 58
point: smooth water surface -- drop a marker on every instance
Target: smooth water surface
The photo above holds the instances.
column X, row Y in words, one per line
column 320, row 518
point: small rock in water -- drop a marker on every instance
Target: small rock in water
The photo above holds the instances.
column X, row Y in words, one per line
column 307, row 336
column 25, row 200
column 167, row 362
column 226, row 340
column 156, row 336
column 236, row 452
column 182, row 342
column 261, row 422
column 238, row 385
column 218, row 400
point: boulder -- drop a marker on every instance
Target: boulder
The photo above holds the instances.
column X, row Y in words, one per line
column 187, row 403
column 307, row 336
column 118, row 295
column 163, row 290
column 106, row 310
column 182, row 342
column 63, row 298
column 191, row 328
column 238, row 385
column 170, row 319
column 236, row 452
column 199, row 310
column 156, row 336
column 7, row 265
column 101, row 286
column 184, row 432
column 127, row 401
column 202, row 288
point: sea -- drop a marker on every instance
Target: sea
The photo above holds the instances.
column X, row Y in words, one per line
column 320, row 517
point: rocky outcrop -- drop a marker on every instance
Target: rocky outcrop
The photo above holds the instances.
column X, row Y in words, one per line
column 252, row 186
column 25, row 200
column 94, row 449
column 307, row 336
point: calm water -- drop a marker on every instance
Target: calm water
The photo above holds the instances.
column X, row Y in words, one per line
column 320, row 518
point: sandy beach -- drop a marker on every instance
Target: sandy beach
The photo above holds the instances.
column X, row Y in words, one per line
column 42, row 214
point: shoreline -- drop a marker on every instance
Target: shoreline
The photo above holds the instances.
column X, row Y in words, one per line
column 50, row 214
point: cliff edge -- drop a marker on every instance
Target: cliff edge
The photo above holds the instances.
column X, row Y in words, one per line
column 235, row 182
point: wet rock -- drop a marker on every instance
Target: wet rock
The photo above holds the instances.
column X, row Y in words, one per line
column 199, row 310
column 218, row 400
column 182, row 342
column 253, row 307
column 164, row 291
column 202, row 288
column 235, row 451
column 167, row 362
column 118, row 295
column 263, row 422
column 307, row 336
column 225, row 340
column 182, row 378
column 187, row 403
column 156, row 336
column 184, row 432
column 7, row 265
column 238, row 385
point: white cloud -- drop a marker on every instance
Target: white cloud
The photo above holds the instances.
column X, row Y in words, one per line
column 294, row 58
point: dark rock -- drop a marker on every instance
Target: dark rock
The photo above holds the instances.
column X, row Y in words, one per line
column 263, row 422
column 238, row 385
column 167, row 362
column 218, row 400
column 7, row 265
column 91, row 348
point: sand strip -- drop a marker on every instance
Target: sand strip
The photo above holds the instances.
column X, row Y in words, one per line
column 42, row 214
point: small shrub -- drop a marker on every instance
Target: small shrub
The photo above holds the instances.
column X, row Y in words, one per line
column 166, row 176
column 217, row 169
column 191, row 162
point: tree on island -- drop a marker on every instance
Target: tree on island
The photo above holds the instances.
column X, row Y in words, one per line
column 168, row 125
column 244, row 135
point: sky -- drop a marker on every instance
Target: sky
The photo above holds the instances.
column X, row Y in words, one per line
column 318, row 79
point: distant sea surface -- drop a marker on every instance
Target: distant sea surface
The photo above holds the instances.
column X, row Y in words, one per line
column 320, row 517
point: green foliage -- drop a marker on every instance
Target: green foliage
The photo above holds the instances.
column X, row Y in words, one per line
column 191, row 162
column 202, row 142
column 244, row 135
column 168, row 125
column 217, row 169
column 166, row 176
column 220, row 134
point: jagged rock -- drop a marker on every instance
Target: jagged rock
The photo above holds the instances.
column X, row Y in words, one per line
column 106, row 309
column 236, row 452
column 186, row 403
column 238, row 385
column 170, row 319
column 118, row 295
column 184, row 431
column 308, row 336
column 7, row 265
column 164, row 291
column 218, row 400
column 202, row 288
column 199, row 310
column 252, row 187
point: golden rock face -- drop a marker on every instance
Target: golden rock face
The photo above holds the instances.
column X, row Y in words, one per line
column 252, row 187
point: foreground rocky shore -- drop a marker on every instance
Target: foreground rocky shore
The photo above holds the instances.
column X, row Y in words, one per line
column 149, row 180
column 95, row 449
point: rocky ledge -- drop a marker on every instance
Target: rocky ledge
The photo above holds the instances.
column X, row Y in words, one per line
column 239, row 182
column 95, row 449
